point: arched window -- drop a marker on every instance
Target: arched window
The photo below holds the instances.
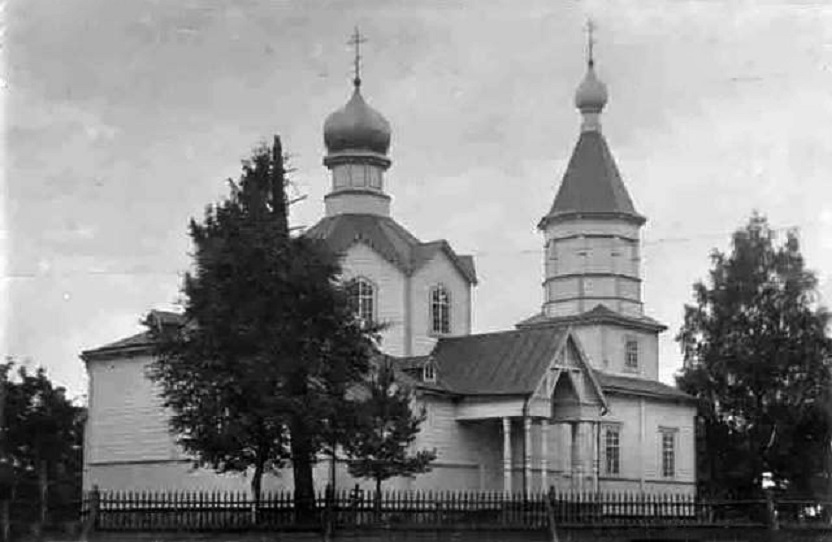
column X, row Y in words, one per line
column 440, row 310
column 362, row 298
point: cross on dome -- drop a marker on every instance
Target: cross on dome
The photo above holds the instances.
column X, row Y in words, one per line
column 356, row 40
column 591, row 96
column 590, row 28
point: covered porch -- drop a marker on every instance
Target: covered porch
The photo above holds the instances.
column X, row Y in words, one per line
column 551, row 438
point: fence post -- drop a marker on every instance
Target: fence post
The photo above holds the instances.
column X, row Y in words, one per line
column 329, row 511
column 92, row 514
column 771, row 512
column 550, row 513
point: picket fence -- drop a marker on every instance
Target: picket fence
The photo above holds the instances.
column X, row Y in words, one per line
column 224, row 511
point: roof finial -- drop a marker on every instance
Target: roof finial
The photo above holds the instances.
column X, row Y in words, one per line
column 590, row 28
column 356, row 40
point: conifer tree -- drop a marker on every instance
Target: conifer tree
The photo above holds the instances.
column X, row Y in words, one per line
column 267, row 346
column 384, row 429
column 757, row 356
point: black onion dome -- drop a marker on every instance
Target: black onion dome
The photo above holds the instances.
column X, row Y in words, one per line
column 357, row 126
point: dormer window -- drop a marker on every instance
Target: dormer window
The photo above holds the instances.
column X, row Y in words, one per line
column 362, row 298
column 440, row 310
column 429, row 371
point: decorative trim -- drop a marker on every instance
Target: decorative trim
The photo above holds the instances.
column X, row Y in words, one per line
column 103, row 354
column 589, row 297
column 356, row 157
column 592, row 274
column 351, row 191
column 594, row 236
column 600, row 215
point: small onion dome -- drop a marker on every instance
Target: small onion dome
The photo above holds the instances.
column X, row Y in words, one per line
column 357, row 126
column 591, row 96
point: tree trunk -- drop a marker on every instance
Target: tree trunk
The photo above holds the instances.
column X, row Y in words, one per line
column 378, row 499
column 302, row 470
column 256, row 488
column 43, row 486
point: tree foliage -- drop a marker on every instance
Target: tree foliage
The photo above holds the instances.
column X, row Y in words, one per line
column 385, row 428
column 40, row 422
column 269, row 345
column 42, row 437
column 757, row 356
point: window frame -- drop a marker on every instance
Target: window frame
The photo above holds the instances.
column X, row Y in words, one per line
column 668, row 468
column 444, row 308
column 612, row 429
column 429, row 371
column 363, row 297
column 631, row 340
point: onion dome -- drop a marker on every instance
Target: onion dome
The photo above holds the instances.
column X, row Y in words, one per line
column 357, row 127
column 591, row 96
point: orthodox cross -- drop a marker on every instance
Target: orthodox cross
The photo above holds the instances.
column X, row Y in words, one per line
column 356, row 40
column 590, row 40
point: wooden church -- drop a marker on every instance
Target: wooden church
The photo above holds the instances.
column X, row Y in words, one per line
column 569, row 398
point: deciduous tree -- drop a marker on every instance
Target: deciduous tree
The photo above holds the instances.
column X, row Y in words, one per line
column 41, row 437
column 757, row 356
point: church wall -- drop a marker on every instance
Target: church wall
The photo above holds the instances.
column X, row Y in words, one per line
column 639, row 421
column 592, row 227
column 605, row 346
column 359, row 203
column 468, row 453
column 439, row 270
column 126, row 420
column 390, row 282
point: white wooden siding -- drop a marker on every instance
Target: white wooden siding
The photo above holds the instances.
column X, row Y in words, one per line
column 439, row 270
column 126, row 419
column 361, row 260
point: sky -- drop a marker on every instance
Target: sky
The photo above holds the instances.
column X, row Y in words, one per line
column 124, row 118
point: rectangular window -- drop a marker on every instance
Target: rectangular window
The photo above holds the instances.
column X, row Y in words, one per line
column 631, row 353
column 668, row 453
column 612, row 451
column 589, row 288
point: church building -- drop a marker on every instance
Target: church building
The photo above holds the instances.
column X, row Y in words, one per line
column 569, row 397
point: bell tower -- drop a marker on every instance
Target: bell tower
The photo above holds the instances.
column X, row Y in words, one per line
column 592, row 230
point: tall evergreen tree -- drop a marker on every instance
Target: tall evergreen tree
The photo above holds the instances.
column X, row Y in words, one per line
column 268, row 345
column 757, row 355
column 384, row 430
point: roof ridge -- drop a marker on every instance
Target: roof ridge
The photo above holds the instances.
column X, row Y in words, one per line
column 489, row 333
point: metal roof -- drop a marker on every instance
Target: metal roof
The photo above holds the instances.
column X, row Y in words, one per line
column 592, row 184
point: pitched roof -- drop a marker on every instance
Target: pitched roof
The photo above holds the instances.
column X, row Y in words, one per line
column 502, row 363
column 387, row 237
column 639, row 386
column 592, row 184
column 135, row 343
column 139, row 341
column 599, row 313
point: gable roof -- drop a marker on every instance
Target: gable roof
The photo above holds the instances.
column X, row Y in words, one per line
column 598, row 314
column 502, row 363
column 513, row 363
column 592, row 184
column 387, row 237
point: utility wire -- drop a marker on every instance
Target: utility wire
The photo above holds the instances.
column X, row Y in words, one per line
column 478, row 254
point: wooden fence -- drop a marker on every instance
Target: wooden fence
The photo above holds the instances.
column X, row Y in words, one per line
column 214, row 511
